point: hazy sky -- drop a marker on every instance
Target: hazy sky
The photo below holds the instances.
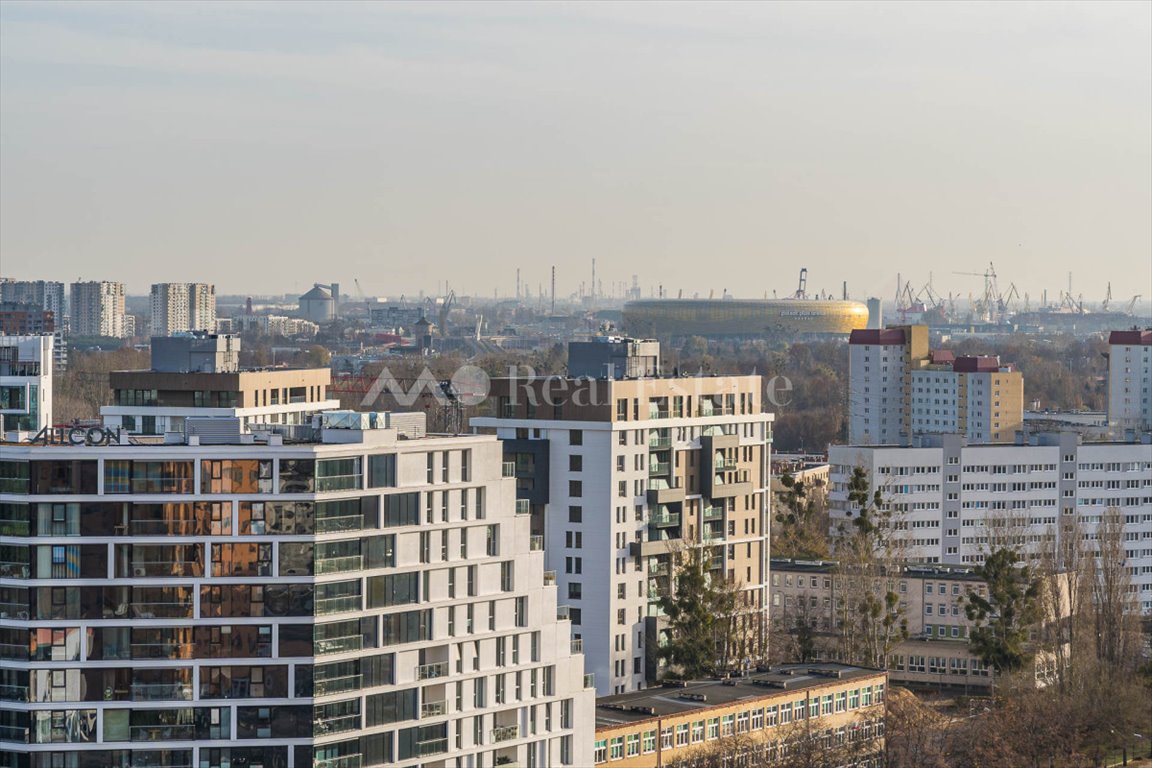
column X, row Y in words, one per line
column 703, row 146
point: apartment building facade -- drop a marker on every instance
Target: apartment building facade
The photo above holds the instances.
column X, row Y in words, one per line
column 44, row 295
column 97, row 309
column 621, row 475
column 198, row 376
column 838, row 708
column 952, row 502
column 364, row 597
column 1130, row 379
column 26, row 370
column 899, row 388
column 179, row 307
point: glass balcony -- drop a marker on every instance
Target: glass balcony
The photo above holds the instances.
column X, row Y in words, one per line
column 549, row 578
column 341, row 724
column 339, row 564
column 663, row 519
column 590, row 680
column 713, row 513
column 505, row 733
column 658, row 568
column 508, row 469
column 344, row 761
column 336, row 685
column 658, row 468
column 161, row 692
column 432, row 671
column 342, row 604
column 339, row 645
column 431, row 747
column 659, row 441
column 433, row 709
column 536, row 544
column 523, row 507
column 563, row 612
column 577, row 645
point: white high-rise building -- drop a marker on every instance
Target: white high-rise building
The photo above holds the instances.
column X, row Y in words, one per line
column 98, row 309
column 1130, row 379
column 879, row 365
column 619, row 475
column 367, row 596
column 178, row 307
column 953, row 502
column 26, row 367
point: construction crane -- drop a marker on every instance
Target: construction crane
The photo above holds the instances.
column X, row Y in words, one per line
column 802, row 288
column 1107, row 298
column 363, row 298
column 445, row 308
column 1132, row 304
column 991, row 297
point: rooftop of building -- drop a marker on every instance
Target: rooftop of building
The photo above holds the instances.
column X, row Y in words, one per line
column 955, row 572
column 881, row 336
column 1023, row 439
column 677, row 698
column 1132, row 336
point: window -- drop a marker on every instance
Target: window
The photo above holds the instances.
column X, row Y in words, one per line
column 575, row 437
column 575, row 514
column 575, row 463
column 382, row 470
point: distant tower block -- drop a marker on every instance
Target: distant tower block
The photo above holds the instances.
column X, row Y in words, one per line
column 875, row 313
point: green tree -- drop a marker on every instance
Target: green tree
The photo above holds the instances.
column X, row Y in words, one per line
column 999, row 635
column 705, row 619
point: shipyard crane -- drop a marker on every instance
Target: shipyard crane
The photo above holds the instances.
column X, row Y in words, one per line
column 363, row 298
column 991, row 294
column 1132, row 304
column 1107, row 298
column 802, row 288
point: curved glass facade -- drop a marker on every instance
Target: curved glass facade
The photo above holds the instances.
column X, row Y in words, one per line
column 741, row 317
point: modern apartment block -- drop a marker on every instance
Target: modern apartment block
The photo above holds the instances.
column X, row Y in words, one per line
column 178, row 307
column 197, row 376
column 364, row 596
column 25, row 319
column 619, row 475
column 26, row 368
column 1130, row 379
column 44, row 295
column 97, row 309
column 898, row 389
column 931, row 601
column 837, row 709
column 954, row 502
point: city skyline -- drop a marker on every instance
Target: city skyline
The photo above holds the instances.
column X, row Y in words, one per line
column 421, row 144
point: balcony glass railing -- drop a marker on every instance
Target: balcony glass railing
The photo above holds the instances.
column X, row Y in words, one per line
column 433, row 709
column 344, row 761
column 336, row 685
column 590, row 680
column 161, row 692
column 563, row 612
column 536, row 543
column 508, row 469
column 432, row 671
column 713, row 513
column 431, row 747
column 664, row 519
column 327, row 605
column 341, row 724
column 339, row 564
column 577, row 646
column 549, row 578
column 659, row 441
column 658, row 468
column 339, row 645
column 523, row 507
column 505, row 733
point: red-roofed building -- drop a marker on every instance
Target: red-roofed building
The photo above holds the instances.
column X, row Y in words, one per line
column 1130, row 379
column 879, row 360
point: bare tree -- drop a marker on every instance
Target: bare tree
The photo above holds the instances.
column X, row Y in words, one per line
column 1114, row 608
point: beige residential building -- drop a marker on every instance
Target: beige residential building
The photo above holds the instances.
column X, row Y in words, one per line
column 619, row 476
column 178, row 307
column 97, row 309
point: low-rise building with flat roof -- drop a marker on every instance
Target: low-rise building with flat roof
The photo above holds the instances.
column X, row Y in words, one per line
column 836, row 705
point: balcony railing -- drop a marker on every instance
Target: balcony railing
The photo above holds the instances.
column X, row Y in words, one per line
column 339, row 724
column 711, row 537
column 326, row 605
column 590, row 680
column 345, row 761
column 433, row 709
column 713, row 513
column 577, row 645
column 336, row 685
column 549, row 578
column 536, row 543
column 508, row 469
column 339, row 644
column 432, row 671
column 664, row 519
column 431, row 747
column 661, row 441
column 722, row 463
column 658, row 413
column 523, row 507
column 505, row 733
column 658, row 568
column 161, row 692
column 658, row 468
column 339, row 564
column 563, row 612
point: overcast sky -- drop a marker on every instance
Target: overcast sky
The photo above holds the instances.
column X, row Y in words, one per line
column 263, row 147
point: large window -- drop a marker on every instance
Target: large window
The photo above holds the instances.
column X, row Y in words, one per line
column 62, row 477
column 393, row 589
column 235, row 476
column 401, row 509
column 338, row 474
column 122, row 476
column 14, row 477
column 382, row 470
column 297, row 475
